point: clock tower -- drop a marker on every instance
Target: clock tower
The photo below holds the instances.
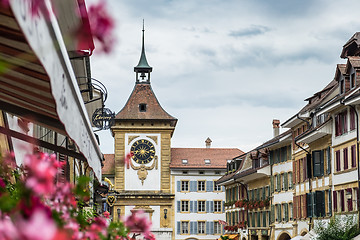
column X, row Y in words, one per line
column 144, row 129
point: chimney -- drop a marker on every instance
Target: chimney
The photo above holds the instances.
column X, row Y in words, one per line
column 208, row 142
column 276, row 127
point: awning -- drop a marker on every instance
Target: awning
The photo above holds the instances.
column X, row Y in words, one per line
column 37, row 80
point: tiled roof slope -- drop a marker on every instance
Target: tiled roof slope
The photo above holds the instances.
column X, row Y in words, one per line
column 143, row 93
column 109, row 164
column 196, row 156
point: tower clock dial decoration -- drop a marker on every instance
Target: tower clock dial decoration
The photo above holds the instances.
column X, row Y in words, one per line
column 143, row 151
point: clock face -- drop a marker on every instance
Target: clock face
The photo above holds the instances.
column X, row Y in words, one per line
column 143, row 151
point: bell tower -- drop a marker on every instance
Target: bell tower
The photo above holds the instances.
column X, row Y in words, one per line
column 144, row 129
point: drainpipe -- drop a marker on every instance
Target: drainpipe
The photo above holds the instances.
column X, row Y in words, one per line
column 247, row 196
column 357, row 159
column 310, row 179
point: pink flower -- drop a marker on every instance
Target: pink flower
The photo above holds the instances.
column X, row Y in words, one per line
column 128, row 158
column 101, row 27
column 138, row 222
column 7, row 229
column 106, row 214
column 4, row 3
column 38, row 227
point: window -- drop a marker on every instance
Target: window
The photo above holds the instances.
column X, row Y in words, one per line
column 291, row 211
column 217, row 188
column 337, row 158
column 185, row 172
column 185, row 206
column 185, row 227
column 207, row 161
column 290, row 180
column 201, row 227
column 352, row 119
column 142, row 107
column 318, row 163
column 345, row 151
column 217, row 228
column 282, row 182
column 353, row 156
column 201, row 186
column 217, row 172
column 201, row 172
column 217, row 206
column 201, row 206
column 341, row 123
column 184, row 161
column 184, row 186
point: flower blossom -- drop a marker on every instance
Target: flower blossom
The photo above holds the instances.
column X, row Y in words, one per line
column 138, row 222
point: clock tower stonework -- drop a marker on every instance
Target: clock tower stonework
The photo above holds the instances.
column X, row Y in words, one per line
column 144, row 130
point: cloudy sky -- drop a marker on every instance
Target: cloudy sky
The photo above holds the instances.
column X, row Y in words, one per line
column 226, row 69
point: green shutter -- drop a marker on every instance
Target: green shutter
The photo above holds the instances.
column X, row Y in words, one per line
column 264, row 219
column 286, row 181
column 272, row 214
column 309, row 205
column 258, row 194
column 258, row 219
column 253, row 220
column 328, row 154
column 263, row 193
column 278, row 183
column 271, row 184
column 286, row 209
column 322, row 163
column 290, row 180
column 288, row 152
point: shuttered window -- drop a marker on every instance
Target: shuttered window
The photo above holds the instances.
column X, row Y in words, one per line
column 335, row 201
column 309, row 204
column 286, row 211
column 345, row 152
column 353, row 156
column 290, row 180
column 352, row 119
column 286, row 181
column 337, row 158
column 328, row 155
column 318, row 163
column 278, row 183
column 350, row 199
column 320, row 203
column 295, row 207
column 294, row 170
column 342, row 200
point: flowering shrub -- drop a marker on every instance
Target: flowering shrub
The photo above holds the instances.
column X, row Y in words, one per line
column 252, row 204
column 33, row 206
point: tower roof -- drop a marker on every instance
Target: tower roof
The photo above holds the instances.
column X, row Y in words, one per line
column 143, row 64
column 143, row 96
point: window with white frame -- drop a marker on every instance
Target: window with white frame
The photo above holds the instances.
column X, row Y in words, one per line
column 184, row 186
column 217, row 206
column 217, row 228
column 201, row 227
column 201, row 186
column 185, row 227
column 217, row 188
column 201, row 206
column 184, row 205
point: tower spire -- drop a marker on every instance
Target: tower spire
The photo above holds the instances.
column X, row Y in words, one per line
column 143, row 67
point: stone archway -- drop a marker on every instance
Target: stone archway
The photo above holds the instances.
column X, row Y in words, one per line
column 284, row 236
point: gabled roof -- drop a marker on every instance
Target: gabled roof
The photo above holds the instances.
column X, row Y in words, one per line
column 109, row 164
column 351, row 47
column 143, row 94
column 340, row 70
column 352, row 62
column 196, row 157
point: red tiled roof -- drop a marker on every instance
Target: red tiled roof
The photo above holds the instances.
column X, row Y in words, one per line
column 196, row 157
column 109, row 164
column 143, row 93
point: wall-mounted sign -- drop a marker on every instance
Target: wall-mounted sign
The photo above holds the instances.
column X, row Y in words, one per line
column 103, row 118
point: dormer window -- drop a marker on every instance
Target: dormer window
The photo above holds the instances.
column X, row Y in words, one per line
column 184, row 161
column 352, row 80
column 207, row 161
column 142, row 107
